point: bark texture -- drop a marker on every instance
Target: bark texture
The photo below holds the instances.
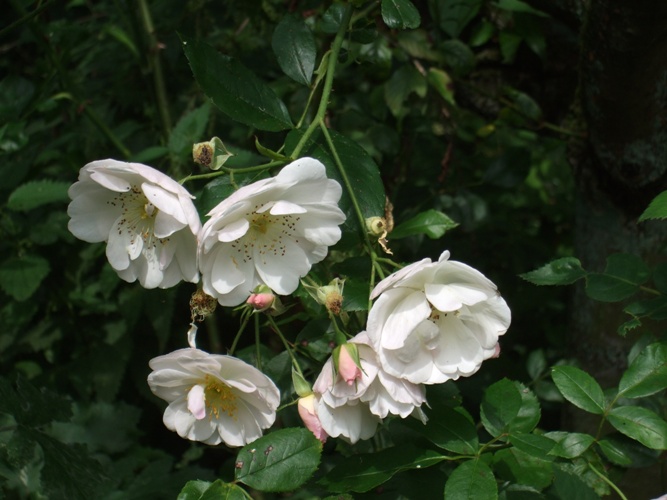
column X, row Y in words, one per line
column 620, row 168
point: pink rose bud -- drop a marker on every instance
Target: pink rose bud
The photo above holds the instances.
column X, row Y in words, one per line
column 261, row 301
column 308, row 414
column 347, row 367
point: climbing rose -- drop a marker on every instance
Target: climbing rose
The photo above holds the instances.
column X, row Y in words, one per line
column 436, row 321
column 213, row 398
column 270, row 232
column 147, row 219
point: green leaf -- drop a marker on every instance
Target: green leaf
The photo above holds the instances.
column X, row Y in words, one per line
column 627, row 452
column 404, row 81
column 20, row 277
column 640, row 424
column 471, row 480
column 34, row 194
column 533, row 444
column 563, row 271
column 647, row 374
column 400, row 14
column 295, row 49
column 536, row 364
column 613, row 453
column 432, row 223
column 579, row 388
column 458, row 56
column 67, row 471
column 453, row 17
column 332, row 18
column 188, row 131
column 443, row 83
column 31, row 406
column 234, row 89
column 621, row 278
column 571, row 487
column 450, row 428
column 362, row 172
column 280, row 461
column 518, row 467
column 218, row 490
column 361, row 473
column 572, row 445
column 519, row 6
column 524, row 105
column 657, row 209
column 15, row 94
column 509, row 406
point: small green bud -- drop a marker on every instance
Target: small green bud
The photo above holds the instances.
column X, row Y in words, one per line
column 376, row 226
column 211, row 154
column 301, row 386
column 330, row 296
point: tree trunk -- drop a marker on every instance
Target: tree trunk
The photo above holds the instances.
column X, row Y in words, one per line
column 620, row 168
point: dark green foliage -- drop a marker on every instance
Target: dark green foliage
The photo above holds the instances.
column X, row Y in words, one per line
column 455, row 112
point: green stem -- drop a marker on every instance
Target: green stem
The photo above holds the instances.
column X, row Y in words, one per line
column 155, row 66
column 232, row 171
column 258, row 354
column 25, row 18
column 390, row 262
column 609, row 482
column 238, row 334
column 287, row 345
column 646, row 289
column 348, row 186
column 106, row 131
column 328, row 82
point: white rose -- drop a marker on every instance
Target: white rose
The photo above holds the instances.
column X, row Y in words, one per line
column 213, row 398
column 270, row 233
column 436, row 321
column 147, row 219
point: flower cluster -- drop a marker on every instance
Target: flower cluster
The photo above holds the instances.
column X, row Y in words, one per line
column 431, row 321
column 267, row 233
column 265, row 236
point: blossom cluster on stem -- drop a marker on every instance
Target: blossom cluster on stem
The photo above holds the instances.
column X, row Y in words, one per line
column 430, row 322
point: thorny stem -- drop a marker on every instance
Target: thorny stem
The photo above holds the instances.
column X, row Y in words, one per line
column 328, row 82
column 155, row 65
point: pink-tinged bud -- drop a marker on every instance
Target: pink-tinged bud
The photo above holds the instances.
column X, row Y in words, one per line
column 261, row 301
column 308, row 414
column 347, row 366
column 496, row 354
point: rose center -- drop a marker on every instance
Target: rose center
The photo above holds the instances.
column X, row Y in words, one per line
column 219, row 398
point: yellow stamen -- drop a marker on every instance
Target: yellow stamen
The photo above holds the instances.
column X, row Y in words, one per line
column 219, row 398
